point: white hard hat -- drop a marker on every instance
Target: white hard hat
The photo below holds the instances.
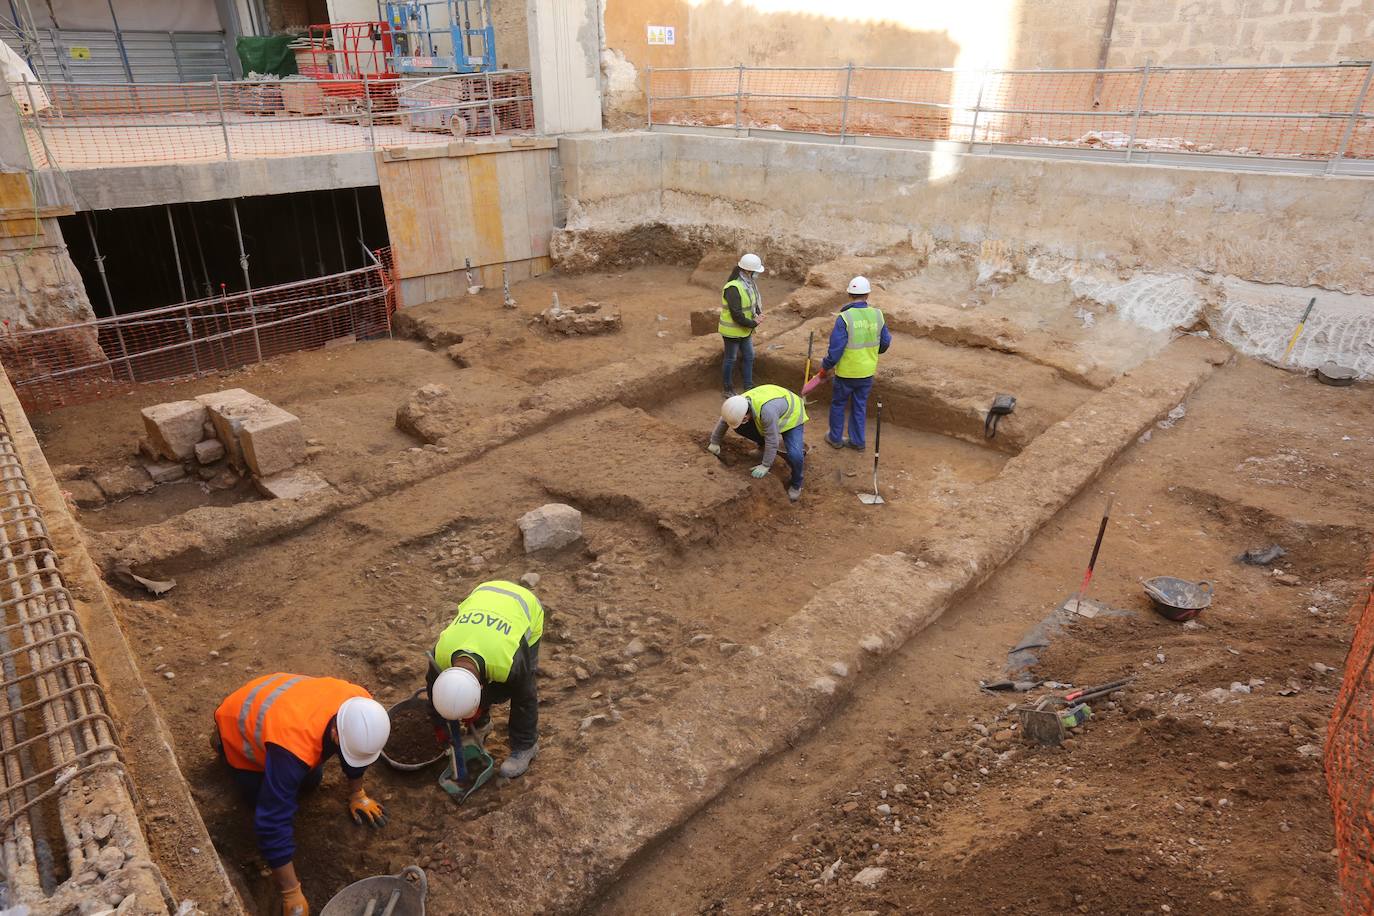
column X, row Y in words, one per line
column 858, row 287
column 363, row 728
column 751, row 262
column 734, row 409
column 456, row 694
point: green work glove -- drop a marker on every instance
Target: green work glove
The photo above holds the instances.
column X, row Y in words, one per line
column 759, row 471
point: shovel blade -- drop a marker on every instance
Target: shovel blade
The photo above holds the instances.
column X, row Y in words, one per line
column 870, row 499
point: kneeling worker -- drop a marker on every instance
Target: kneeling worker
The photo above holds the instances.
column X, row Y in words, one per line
column 489, row 654
column 767, row 415
column 276, row 732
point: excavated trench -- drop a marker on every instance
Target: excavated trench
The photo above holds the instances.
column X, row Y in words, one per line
column 689, row 573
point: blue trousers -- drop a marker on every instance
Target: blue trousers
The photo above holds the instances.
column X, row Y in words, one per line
column 793, row 448
column 851, row 393
column 743, row 347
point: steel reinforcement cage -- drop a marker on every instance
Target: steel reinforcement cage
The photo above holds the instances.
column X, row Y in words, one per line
column 78, row 125
column 1310, row 112
column 91, row 360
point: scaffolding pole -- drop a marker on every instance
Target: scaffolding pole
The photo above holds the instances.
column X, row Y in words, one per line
column 109, row 297
column 181, row 279
column 247, row 283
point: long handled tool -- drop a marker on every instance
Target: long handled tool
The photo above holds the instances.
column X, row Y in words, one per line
column 810, row 344
column 874, row 498
column 1297, row 332
column 1082, row 592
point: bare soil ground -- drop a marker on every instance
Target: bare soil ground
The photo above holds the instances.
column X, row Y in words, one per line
column 687, row 563
column 1173, row 795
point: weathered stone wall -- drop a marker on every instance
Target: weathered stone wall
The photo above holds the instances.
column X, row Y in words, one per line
column 39, row 284
column 996, row 33
column 1162, row 246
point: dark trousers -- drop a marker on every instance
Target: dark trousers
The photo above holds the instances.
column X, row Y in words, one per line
column 249, row 782
column 743, row 348
column 793, row 449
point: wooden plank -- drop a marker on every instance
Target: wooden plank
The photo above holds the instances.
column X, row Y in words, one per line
column 459, row 238
column 403, row 220
column 539, row 201
column 487, row 220
column 515, row 234
column 15, row 191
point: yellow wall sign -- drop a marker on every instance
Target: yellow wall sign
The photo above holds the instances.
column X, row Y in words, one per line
column 80, row 53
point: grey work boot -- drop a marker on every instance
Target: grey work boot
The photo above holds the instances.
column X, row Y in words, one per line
column 794, row 493
column 518, row 762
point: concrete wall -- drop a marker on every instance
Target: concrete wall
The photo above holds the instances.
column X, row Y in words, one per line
column 997, row 33
column 565, row 47
column 1162, row 246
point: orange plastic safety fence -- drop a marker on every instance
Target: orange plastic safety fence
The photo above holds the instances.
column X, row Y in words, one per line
column 1306, row 112
column 87, row 125
column 1350, row 761
column 73, row 364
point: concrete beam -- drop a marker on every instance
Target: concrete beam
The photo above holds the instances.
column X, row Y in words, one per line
column 177, row 183
column 565, row 65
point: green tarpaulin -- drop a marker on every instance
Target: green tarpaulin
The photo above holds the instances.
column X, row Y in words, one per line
column 267, row 55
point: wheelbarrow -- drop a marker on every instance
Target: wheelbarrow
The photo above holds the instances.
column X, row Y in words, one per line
column 1178, row 599
column 383, row 895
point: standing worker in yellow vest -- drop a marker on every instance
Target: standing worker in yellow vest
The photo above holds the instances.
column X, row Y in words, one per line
column 859, row 335
column 489, row 654
column 767, row 415
column 741, row 310
column 276, row 732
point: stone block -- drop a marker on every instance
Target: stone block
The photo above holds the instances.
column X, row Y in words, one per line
column 164, row 471
column 227, row 410
column 209, row 430
column 291, row 484
column 209, row 451
column 550, row 527
column 587, row 318
column 272, row 440
column 84, row 493
column 174, row 428
column 123, row 482
column 705, row 321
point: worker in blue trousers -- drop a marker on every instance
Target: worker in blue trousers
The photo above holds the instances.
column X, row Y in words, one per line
column 860, row 334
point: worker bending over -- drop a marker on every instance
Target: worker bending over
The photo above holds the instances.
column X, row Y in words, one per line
column 767, row 415
column 489, row 654
column 741, row 310
column 276, row 732
column 859, row 335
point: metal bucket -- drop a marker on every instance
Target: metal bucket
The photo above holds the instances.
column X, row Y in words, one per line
column 1178, row 599
column 373, row 896
column 1336, row 376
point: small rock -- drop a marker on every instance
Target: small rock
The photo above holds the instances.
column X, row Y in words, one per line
column 102, row 828
column 551, row 527
column 1322, row 669
column 1238, row 687
column 169, row 675
column 729, row 648
column 950, row 788
column 884, row 810
column 872, row 644
column 1002, row 736
column 870, row 876
column 635, row 648
column 580, row 673
column 899, row 788
column 698, row 639
column 1310, row 750
column 164, row 471
column 530, row 579
column 839, row 669
column 1287, row 579
column 589, row 721
column 1216, row 695
column 109, row 859
column 209, row 451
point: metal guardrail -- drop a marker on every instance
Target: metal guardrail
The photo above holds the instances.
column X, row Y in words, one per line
column 1308, row 112
column 73, row 125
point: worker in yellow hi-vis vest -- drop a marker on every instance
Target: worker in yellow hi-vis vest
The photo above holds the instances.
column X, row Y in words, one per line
column 741, row 310
column 768, row 416
column 489, row 654
column 859, row 335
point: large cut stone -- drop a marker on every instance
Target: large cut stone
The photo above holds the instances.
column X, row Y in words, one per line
column 164, row 471
column 122, row 482
column 174, row 428
column 228, row 409
column 291, row 484
column 550, row 527
column 84, row 493
column 272, row 440
column 209, row 451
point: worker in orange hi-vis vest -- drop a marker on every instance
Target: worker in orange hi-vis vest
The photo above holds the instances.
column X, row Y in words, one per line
column 276, row 732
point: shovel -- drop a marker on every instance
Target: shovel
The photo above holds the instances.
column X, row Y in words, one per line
column 874, row 498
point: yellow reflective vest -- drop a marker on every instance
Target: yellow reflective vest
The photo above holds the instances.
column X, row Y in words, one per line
column 490, row 623
column 796, row 408
column 860, row 358
column 748, row 300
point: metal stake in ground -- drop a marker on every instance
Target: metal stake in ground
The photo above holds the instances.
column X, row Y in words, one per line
column 505, row 289
column 1082, row 592
column 874, row 498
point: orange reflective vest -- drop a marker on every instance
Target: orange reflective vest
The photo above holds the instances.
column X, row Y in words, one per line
column 288, row 710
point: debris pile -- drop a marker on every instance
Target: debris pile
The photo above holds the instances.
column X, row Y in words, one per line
column 587, row 318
